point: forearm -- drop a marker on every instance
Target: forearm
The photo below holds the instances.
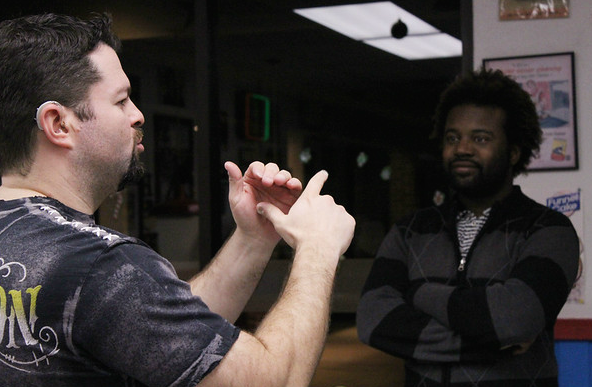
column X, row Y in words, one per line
column 507, row 313
column 286, row 347
column 387, row 322
column 300, row 318
column 515, row 307
column 229, row 280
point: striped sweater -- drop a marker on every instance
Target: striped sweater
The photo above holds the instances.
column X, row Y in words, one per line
column 463, row 327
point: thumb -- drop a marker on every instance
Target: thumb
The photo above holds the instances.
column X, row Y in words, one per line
column 234, row 176
column 234, row 172
column 270, row 212
column 277, row 218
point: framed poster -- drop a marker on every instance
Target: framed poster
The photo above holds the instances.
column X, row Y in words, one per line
column 549, row 79
column 533, row 9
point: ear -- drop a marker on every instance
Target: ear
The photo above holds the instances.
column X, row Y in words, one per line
column 52, row 120
column 514, row 154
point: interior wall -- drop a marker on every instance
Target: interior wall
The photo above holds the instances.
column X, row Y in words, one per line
column 497, row 39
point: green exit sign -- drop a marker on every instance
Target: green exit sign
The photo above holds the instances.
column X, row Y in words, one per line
column 257, row 112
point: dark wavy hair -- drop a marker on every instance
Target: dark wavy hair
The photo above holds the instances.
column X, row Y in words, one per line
column 44, row 57
column 494, row 89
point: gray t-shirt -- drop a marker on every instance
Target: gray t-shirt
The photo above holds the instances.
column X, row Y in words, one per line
column 82, row 305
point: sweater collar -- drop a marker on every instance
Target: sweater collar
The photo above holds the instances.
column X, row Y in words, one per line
column 511, row 203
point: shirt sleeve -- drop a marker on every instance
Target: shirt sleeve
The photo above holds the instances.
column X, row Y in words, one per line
column 136, row 317
column 519, row 308
column 387, row 321
column 445, row 323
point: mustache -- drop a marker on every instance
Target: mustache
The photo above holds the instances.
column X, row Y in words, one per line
column 464, row 161
column 139, row 134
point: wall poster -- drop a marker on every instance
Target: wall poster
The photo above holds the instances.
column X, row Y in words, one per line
column 549, row 79
column 532, row 9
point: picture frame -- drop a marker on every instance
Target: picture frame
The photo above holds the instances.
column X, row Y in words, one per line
column 533, row 9
column 550, row 80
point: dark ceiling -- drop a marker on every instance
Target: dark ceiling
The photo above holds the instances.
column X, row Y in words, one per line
column 265, row 38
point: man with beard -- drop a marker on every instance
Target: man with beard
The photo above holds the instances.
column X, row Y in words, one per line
column 82, row 305
column 468, row 292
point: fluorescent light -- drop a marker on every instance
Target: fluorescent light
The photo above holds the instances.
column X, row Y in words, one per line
column 372, row 22
column 365, row 21
column 439, row 45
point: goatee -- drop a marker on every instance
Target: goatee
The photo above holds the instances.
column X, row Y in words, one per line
column 134, row 173
column 486, row 182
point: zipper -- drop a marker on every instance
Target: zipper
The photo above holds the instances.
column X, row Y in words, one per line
column 461, row 265
column 463, row 261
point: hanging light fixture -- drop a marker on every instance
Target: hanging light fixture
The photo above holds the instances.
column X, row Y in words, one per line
column 399, row 30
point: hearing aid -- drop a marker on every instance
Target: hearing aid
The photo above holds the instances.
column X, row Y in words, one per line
column 37, row 118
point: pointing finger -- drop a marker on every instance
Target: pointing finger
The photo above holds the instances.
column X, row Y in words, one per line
column 315, row 184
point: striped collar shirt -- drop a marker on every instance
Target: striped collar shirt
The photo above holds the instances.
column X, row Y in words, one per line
column 468, row 226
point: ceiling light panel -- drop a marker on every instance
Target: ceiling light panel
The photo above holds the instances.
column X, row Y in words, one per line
column 372, row 22
column 420, row 47
column 365, row 21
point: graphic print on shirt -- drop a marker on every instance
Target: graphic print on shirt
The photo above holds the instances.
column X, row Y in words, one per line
column 18, row 326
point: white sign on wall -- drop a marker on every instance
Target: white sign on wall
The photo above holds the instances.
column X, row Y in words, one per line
column 569, row 202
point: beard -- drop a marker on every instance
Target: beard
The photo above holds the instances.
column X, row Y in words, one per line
column 135, row 170
column 488, row 180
